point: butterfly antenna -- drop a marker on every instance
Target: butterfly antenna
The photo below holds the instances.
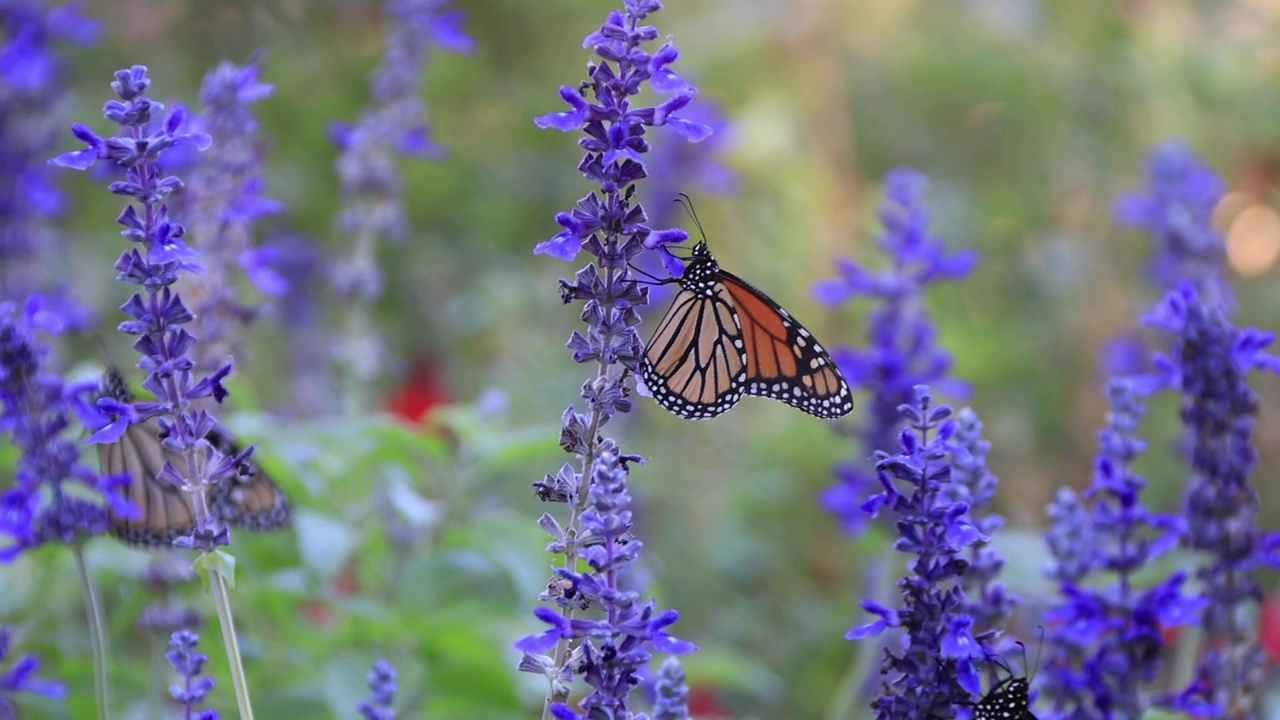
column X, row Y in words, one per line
column 684, row 201
column 1039, row 650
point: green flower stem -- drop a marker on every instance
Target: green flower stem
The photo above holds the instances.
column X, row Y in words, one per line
column 97, row 635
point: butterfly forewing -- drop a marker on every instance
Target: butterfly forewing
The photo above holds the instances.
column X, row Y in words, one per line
column 722, row 339
column 250, row 499
column 784, row 361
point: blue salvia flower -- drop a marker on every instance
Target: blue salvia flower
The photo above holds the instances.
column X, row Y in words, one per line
column 392, row 126
column 902, row 350
column 610, row 649
column 1177, row 211
column 189, row 662
column 1209, row 362
column 671, row 691
column 382, row 684
column 223, row 200
column 932, row 672
column 1104, row 635
column 606, row 223
column 158, row 314
column 32, row 96
column 987, row 600
column 20, row 677
column 54, row 498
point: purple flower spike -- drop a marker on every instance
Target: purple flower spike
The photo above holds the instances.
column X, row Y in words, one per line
column 187, row 660
column 599, row 631
column 932, row 671
column 902, row 351
column 1208, row 369
column 33, row 93
column 392, row 126
column 382, row 685
column 1104, row 634
column 54, row 498
column 224, row 201
column 158, row 317
column 1176, row 209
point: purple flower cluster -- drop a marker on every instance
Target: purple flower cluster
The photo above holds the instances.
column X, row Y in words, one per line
column 933, row 671
column 671, row 692
column 36, row 410
column 902, row 351
column 987, row 600
column 21, row 678
column 158, row 314
column 32, row 95
column 382, row 683
column 1177, row 211
column 393, row 125
column 223, row 200
column 189, row 662
column 610, row 650
column 1208, row 365
column 1104, row 637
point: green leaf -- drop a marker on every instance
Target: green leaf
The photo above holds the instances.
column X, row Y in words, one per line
column 222, row 563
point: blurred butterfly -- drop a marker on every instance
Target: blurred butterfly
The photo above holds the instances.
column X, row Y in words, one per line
column 722, row 339
column 1010, row 699
column 249, row 499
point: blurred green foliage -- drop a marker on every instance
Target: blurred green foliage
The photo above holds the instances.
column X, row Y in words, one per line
column 419, row 544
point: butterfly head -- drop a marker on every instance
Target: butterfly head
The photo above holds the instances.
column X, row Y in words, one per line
column 701, row 250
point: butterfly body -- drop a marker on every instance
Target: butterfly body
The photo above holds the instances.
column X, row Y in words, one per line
column 1009, row 700
column 249, row 499
column 722, row 338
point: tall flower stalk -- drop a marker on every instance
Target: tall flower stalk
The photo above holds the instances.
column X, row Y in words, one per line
column 607, row 651
column 392, row 126
column 1208, row 365
column 932, row 672
column 55, row 499
column 189, row 662
column 902, row 349
column 382, row 685
column 157, row 319
column 224, row 201
column 1105, row 632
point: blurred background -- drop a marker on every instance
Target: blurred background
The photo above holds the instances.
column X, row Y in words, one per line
column 416, row 540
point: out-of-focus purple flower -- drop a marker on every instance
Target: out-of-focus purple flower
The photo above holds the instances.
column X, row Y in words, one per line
column 671, row 692
column 223, row 200
column 674, row 166
column 158, row 315
column 1208, row 365
column 382, row 683
column 393, row 125
column 37, row 405
column 1176, row 209
column 20, row 677
column 32, row 100
column 1104, row 639
column 902, row 351
column 988, row 602
column 609, row 650
column 189, row 662
column 167, row 614
column 932, row 672
column 606, row 652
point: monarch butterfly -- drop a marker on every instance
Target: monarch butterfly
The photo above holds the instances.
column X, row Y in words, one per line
column 722, row 339
column 250, row 499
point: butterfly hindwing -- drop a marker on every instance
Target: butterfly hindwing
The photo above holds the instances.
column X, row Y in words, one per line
column 249, row 499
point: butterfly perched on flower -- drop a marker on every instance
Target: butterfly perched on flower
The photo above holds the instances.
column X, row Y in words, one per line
column 249, row 499
column 722, row 338
column 1010, row 699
